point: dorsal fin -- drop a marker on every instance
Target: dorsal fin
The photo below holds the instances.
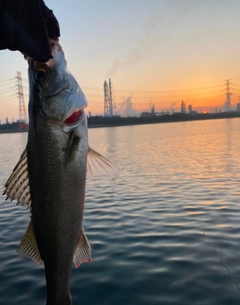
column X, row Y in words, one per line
column 17, row 185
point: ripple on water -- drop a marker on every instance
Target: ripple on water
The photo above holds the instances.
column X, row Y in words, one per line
column 145, row 225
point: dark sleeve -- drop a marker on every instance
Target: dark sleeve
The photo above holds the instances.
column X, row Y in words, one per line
column 26, row 26
column 2, row 36
column 50, row 21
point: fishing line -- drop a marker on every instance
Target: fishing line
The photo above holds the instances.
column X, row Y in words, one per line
column 229, row 272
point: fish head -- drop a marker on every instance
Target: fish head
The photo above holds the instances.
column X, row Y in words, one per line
column 55, row 94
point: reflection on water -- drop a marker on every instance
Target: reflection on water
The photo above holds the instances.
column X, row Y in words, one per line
column 144, row 225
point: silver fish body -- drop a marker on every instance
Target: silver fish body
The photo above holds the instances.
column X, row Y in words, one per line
column 50, row 177
column 57, row 202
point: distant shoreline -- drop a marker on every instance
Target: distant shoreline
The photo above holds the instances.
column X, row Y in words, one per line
column 98, row 121
column 115, row 121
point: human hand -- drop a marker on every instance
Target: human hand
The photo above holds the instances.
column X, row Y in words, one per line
column 26, row 26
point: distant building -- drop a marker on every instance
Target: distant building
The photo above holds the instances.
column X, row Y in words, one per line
column 194, row 112
column 147, row 114
column 190, row 109
column 238, row 107
column 153, row 110
column 183, row 107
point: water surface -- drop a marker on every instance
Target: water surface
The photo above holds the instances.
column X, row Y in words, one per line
column 145, row 225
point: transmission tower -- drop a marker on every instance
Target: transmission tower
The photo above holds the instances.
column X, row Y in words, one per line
column 227, row 105
column 22, row 109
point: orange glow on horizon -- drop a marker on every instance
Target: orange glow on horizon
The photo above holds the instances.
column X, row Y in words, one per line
column 144, row 103
column 202, row 99
column 204, row 95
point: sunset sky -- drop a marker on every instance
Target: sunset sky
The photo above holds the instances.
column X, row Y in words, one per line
column 155, row 51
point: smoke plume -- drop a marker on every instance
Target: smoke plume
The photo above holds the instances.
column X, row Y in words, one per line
column 125, row 108
column 141, row 50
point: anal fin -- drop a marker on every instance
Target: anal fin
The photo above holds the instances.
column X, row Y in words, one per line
column 28, row 246
column 83, row 251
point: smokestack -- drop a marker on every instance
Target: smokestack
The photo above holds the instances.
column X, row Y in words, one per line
column 106, row 99
column 108, row 102
column 110, row 99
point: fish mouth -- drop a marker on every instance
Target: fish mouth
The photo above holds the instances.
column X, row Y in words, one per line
column 39, row 69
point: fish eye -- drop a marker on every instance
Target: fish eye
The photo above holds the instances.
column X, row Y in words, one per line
column 38, row 75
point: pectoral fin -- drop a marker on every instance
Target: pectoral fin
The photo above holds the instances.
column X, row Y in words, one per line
column 98, row 166
column 17, row 185
column 28, row 246
column 83, row 251
column 72, row 147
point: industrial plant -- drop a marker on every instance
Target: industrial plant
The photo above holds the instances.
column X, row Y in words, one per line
column 125, row 114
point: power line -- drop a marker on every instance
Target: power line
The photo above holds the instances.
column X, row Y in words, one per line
column 7, row 99
column 9, row 89
column 183, row 96
column 5, row 81
column 139, row 93
column 151, row 91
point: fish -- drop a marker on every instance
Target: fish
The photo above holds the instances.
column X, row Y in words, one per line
column 50, row 176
